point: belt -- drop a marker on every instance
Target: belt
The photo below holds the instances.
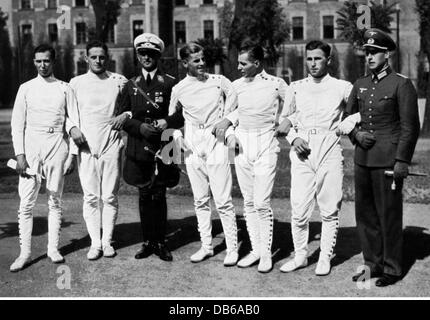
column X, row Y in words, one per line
column 46, row 129
column 314, row 131
column 199, row 125
column 148, row 120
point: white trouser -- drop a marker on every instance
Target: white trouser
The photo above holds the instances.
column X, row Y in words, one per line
column 209, row 170
column 255, row 170
column 319, row 178
column 47, row 154
column 100, row 183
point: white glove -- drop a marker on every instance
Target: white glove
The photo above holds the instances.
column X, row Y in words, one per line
column 348, row 124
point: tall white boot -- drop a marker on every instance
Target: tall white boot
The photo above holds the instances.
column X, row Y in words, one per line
column 25, row 225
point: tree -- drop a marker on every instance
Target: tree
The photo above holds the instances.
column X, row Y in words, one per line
column 333, row 67
column 263, row 22
column 106, row 13
column 213, row 51
column 128, row 65
column 352, row 65
column 6, row 58
column 67, row 58
column 381, row 17
column 423, row 10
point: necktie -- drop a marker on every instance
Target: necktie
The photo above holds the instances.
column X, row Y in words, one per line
column 148, row 80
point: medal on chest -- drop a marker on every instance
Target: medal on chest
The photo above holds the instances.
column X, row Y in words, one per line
column 159, row 97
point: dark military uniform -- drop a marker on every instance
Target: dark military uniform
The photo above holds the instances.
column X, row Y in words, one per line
column 387, row 103
column 140, row 162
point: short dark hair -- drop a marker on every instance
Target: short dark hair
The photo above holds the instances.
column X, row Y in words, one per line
column 97, row 44
column 255, row 51
column 43, row 48
column 318, row 44
column 189, row 49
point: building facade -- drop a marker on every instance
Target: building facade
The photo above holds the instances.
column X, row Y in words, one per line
column 316, row 19
column 59, row 21
column 181, row 21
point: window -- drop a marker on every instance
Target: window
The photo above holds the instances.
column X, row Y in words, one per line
column 111, row 34
column 81, row 33
column 80, row 3
column 25, row 4
column 52, row 4
column 137, row 28
column 297, row 28
column 328, row 27
column 208, row 29
column 53, row 32
column 180, row 32
column 208, row 1
column 26, row 33
column 180, row 2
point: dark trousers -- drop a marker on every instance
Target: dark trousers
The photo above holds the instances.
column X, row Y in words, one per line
column 153, row 213
column 379, row 213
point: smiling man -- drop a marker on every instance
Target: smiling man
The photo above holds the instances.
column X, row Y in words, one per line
column 316, row 156
column 99, row 158
column 205, row 99
column 41, row 120
column 385, row 139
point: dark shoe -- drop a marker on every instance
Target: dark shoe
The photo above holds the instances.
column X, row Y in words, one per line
column 161, row 250
column 373, row 274
column 145, row 251
column 386, row 280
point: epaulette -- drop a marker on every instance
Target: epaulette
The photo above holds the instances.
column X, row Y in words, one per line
column 170, row 76
column 401, row 75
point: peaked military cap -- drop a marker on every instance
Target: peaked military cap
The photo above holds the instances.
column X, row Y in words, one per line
column 149, row 41
column 378, row 39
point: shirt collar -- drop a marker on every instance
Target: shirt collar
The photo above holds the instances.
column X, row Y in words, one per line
column 261, row 75
column 50, row 78
column 192, row 78
column 381, row 74
column 152, row 73
column 106, row 73
column 323, row 79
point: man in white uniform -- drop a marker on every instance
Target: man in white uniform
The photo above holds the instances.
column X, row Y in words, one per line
column 99, row 160
column 260, row 98
column 205, row 99
column 40, row 123
column 316, row 156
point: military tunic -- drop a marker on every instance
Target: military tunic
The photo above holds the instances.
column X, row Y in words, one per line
column 139, row 165
column 387, row 103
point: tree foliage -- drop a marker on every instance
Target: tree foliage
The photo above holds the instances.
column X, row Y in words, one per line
column 423, row 10
column 106, row 13
column 263, row 22
column 381, row 17
column 213, row 51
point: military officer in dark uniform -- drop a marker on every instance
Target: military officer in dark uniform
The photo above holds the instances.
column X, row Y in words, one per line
column 385, row 139
column 139, row 113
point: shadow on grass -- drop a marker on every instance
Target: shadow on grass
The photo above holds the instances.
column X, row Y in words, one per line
column 416, row 246
column 181, row 232
column 40, row 227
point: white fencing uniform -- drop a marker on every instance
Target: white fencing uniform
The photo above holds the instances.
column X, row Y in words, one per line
column 259, row 101
column 39, row 123
column 319, row 108
column 100, row 165
column 205, row 103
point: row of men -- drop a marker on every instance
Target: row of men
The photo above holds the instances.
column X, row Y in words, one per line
column 217, row 115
